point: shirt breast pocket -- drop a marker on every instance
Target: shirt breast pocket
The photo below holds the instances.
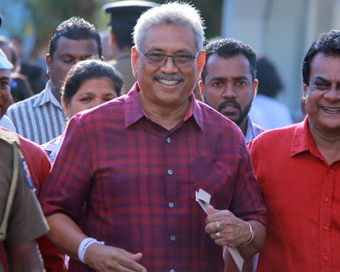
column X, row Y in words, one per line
column 213, row 176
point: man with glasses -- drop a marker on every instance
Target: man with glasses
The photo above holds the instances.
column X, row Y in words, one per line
column 136, row 162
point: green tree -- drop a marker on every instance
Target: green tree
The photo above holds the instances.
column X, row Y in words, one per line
column 47, row 14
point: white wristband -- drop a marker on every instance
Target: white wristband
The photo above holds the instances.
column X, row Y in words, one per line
column 84, row 245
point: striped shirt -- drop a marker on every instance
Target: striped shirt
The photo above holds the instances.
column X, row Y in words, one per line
column 5, row 122
column 39, row 118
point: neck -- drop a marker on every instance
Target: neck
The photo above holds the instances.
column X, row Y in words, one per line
column 327, row 143
column 164, row 115
column 243, row 126
column 56, row 93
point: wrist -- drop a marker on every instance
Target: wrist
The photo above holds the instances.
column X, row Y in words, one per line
column 252, row 235
column 83, row 247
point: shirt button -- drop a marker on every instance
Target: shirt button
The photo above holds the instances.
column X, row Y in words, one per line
column 171, row 205
column 172, row 238
column 325, row 199
column 330, row 171
column 325, row 258
column 168, row 140
column 325, row 228
column 169, row 172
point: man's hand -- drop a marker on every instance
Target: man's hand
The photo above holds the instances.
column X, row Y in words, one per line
column 107, row 258
column 233, row 231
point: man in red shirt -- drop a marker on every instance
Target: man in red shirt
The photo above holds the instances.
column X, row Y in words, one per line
column 299, row 175
column 137, row 161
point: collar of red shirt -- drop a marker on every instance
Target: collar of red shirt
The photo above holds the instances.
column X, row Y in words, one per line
column 134, row 110
column 303, row 140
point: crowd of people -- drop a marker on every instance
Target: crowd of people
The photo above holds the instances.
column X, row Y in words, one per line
column 99, row 173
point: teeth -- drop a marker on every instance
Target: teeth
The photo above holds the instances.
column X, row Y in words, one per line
column 168, row 82
column 331, row 109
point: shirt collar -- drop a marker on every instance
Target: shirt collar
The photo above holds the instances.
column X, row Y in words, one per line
column 134, row 110
column 250, row 134
column 303, row 140
column 47, row 96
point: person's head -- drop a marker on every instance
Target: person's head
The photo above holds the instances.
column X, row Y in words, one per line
column 124, row 15
column 20, row 88
column 321, row 83
column 167, row 57
column 270, row 83
column 73, row 40
column 88, row 84
column 10, row 51
column 5, row 83
column 228, row 79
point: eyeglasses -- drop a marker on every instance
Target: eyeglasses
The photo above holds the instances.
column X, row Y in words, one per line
column 159, row 59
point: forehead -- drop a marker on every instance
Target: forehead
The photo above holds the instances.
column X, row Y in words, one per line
column 76, row 47
column 235, row 66
column 327, row 67
column 170, row 38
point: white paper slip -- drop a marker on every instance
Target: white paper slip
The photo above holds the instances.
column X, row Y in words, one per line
column 203, row 198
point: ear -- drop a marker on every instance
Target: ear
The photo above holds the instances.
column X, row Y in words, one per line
column 200, row 63
column 202, row 87
column 304, row 88
column 112, row 37
column 255, row 84
column 134, row 60
column 65, row 107
column 48, row 61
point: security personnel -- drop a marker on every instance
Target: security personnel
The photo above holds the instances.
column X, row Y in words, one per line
column 124, row 15
column 21, row 219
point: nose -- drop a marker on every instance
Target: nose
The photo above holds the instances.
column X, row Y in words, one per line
column 229, row 92
column 333, row 94
column 169, row 66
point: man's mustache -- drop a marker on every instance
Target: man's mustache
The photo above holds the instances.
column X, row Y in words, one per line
column 228, row 102
column 168, row 77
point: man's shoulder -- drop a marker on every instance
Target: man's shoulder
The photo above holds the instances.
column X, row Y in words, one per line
column 215, row 120
column 279, row 137
column 25, row 103
column 107, row 110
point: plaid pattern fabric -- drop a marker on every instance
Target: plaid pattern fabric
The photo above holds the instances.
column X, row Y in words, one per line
column 139, row 181
column 39, row 118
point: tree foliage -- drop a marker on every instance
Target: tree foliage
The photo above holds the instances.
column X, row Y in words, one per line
column 48, row 14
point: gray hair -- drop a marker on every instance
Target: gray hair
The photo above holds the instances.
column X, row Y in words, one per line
column 174, row 14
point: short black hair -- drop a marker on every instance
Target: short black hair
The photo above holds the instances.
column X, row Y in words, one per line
column 74, row 28
column 86, row 70
column 228, row 48
column 270, row 83
column 327, row 43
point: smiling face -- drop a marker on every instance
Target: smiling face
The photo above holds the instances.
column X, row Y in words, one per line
column 323, row 94
column 168, row 85
column 91, row 93
column 68, row 52
column 229, row 87
column 5, row 91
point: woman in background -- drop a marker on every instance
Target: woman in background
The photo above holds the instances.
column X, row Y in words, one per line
column 88, row 84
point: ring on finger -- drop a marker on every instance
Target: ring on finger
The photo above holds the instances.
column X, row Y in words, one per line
column 218, row 226
column 218, row 234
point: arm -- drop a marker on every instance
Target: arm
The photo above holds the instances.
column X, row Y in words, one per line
column 67, row 236
column 28, row 256
column 234, row 231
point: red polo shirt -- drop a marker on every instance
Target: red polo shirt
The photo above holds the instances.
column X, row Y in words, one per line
column 302, row 195
column 139, row 181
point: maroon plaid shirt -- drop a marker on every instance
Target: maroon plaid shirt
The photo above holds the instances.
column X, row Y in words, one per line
column 139, row 181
